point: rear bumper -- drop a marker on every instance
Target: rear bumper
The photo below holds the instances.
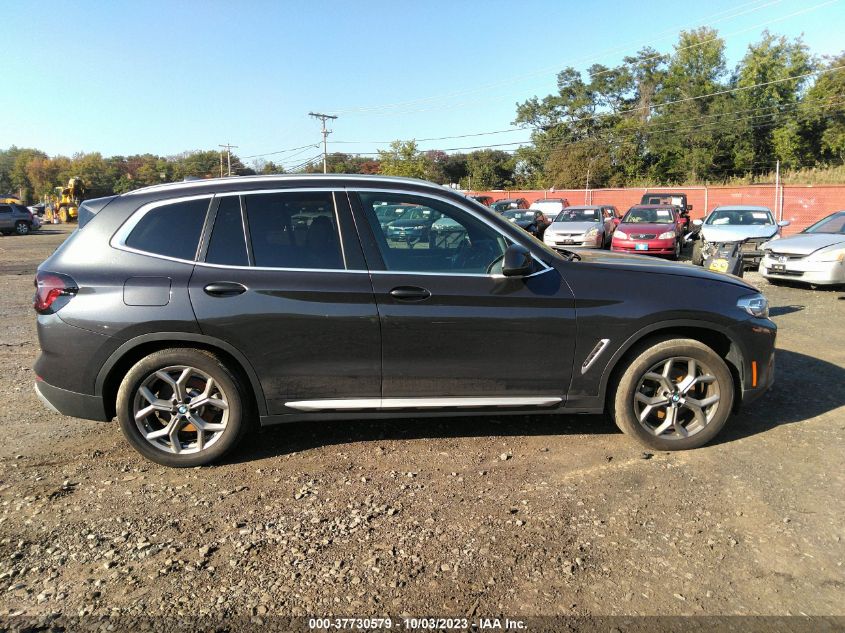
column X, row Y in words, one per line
column 77, row 405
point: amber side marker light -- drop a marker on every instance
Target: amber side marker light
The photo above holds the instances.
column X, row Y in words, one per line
column 753, row 373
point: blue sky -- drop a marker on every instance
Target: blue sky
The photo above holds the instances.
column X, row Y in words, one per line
column 165, row 77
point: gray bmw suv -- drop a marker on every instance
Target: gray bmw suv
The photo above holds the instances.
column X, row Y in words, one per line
column 191, row 310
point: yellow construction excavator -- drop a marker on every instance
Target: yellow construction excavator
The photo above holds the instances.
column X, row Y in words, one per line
column 66, row 201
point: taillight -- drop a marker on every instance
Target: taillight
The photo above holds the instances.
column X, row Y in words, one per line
column 52, row 291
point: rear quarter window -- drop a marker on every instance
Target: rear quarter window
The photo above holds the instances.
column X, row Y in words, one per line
column 170, row 230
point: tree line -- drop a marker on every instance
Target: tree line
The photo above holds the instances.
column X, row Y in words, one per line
column 656, row 119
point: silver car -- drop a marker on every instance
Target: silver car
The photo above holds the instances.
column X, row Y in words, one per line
column 582, row 227
column 753, row 225
column 814, row 256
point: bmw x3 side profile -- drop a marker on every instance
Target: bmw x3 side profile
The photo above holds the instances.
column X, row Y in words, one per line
column 189, row 311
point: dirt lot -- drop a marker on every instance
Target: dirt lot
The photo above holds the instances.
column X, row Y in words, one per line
column 512, row 516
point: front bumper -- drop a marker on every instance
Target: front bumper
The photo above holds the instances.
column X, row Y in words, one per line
column 803, row 270
column 556, row 242
column 77, row 405
column 756, row 342
column 655, row 247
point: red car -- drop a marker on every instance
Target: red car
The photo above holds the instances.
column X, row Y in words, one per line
column 649, row 230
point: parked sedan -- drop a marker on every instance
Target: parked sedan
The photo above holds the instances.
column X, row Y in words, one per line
column 814, row 256
column 649, row 230
column 751, row 225
column 587, row 227
column 413, row 227
column 532, row 221
column 551, row 207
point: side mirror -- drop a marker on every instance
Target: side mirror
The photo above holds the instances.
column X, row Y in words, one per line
column 516, row 261
column 616, row 221
column 783, row 223
column 698, row 222
column 689, row 207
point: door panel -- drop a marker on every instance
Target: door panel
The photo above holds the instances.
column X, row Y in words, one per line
column 451, row 326
column 476, row 335
column 307, row 324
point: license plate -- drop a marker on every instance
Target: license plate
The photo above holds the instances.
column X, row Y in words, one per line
column 567, row 241
column 778, row 267
column 719, row 265
column 640, row 247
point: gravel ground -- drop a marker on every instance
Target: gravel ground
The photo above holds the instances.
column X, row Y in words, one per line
column 516, row 516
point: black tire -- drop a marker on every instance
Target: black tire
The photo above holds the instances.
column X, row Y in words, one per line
column 645, row 357
column 230, row 386
column 22, row 228
column 697, row 256
column 677, row 254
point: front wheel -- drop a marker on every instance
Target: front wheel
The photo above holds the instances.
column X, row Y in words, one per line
column 675, row 394
column 182, row 407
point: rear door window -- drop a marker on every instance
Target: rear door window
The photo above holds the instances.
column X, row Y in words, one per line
column 171, row 230
column 294, row 230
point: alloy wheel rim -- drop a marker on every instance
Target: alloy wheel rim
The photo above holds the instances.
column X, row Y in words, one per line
column 677, row 398
column 180, row 410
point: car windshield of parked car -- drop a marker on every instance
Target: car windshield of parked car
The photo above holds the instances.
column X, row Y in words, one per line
column 519, row 215
column 648, row 216
column 578, row 215
column 739, row 217
column 832, row 224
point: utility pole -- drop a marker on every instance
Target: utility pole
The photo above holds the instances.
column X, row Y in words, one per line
column 778, row 211
column 323, row 118
column 229, row 148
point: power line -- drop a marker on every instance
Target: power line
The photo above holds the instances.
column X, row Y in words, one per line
column 282, row 151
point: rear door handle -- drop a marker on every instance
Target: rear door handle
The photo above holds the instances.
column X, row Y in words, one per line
column 410, row 293
column 224, row 289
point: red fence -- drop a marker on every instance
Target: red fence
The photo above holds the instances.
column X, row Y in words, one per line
column 800, row 204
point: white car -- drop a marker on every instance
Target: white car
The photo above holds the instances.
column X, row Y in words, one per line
column 582, row 227
column 814, row 256
column 550, row 207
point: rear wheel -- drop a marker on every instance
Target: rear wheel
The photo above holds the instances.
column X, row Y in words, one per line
column 675, row 394
column 63, row 216
column 182, row 407
column 22, row 228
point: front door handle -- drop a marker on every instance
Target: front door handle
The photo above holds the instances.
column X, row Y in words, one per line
column 224, row 289
column 410, row 293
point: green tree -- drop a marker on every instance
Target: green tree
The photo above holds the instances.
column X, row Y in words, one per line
column 490, row 169
column 768, row 112
column 403, row 159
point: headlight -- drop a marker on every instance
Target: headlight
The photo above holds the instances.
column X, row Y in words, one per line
column 620, row 234
column 591, row 233
column 756, row 305
column 420, row 227
column 830, row 255
column 668, row 235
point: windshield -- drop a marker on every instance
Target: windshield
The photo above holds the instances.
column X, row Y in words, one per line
column 501, row 205
column 832, row 224
column 648, row 216
column 519, row 215
column 739, row 217
column 578, row 215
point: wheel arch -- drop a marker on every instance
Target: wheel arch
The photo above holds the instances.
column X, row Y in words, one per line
column 130, row 352
column 717, row 338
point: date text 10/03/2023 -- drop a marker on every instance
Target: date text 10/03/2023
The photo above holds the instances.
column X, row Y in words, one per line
column 410, row 623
